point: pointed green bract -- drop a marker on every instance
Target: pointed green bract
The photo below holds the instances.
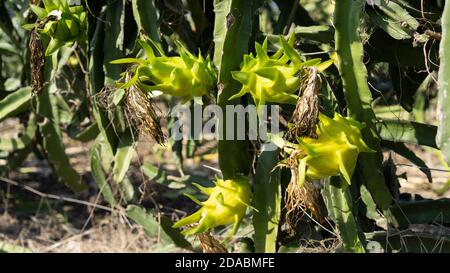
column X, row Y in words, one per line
column 184, row 76
column 227, row 204
column 273, row 78
column 334, row 152
column 269, row 79
column 60, row 24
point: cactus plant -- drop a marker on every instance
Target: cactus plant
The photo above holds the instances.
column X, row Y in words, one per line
column 443, row 137
column 85, row 63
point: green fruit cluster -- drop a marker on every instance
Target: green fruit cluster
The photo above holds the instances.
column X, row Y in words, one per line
column 185, row 76
column 59, row 24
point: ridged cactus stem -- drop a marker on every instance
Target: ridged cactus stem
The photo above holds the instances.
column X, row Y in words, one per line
column 233, row 28
column 339, row 205
column 443, row 136
column 357, row 94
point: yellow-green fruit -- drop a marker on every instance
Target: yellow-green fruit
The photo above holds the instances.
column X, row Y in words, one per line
column 62, row 24
column 227, row 204
column 183, row 76
column 270, row 78
column 334, row 152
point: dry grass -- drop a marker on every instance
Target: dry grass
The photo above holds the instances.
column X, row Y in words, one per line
column 416, row 182
column 52, row 233
column 209, row 244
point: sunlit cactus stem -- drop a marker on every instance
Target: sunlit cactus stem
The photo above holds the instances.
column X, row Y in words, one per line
column 443, row 136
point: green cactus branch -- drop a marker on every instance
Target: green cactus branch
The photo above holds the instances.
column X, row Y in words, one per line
column 340, row 209
column 443, row 137
column 357, row 94
column 233, row 28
